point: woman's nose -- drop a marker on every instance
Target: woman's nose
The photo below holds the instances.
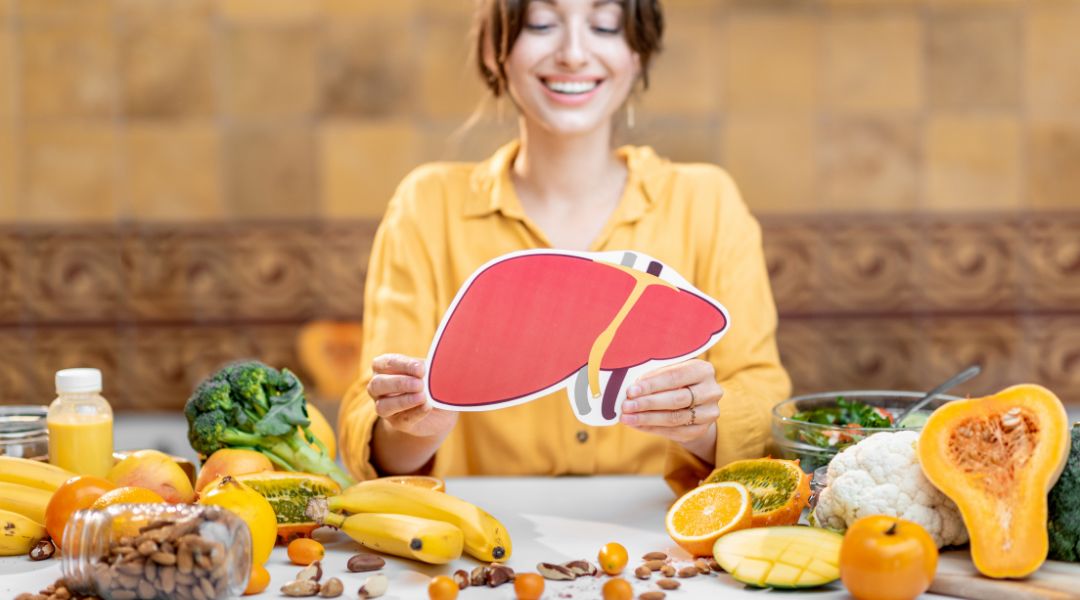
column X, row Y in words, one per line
column 572, row 52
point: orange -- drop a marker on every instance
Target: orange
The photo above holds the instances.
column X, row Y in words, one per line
column 127, row 495
column 707, row 512
column 618, row 589
column 304, row 551
column 612, row 558
column 76, row 493
column 257, row 582
column 442, row 588
column 424, row 481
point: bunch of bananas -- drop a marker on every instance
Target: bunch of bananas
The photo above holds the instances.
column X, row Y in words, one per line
column 25, row 489
column 413, row 522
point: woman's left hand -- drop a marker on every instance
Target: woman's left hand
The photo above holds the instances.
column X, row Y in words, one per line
column 679, row 402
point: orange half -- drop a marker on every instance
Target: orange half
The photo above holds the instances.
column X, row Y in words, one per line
column 127, row 495
column 424, row 481
column 707, row 512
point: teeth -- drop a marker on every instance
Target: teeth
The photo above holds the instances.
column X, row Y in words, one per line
column 571, row 87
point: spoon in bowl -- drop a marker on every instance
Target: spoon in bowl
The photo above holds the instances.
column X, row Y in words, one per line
column 955, row 380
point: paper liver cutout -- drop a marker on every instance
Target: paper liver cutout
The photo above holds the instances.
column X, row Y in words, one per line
column 529, row 323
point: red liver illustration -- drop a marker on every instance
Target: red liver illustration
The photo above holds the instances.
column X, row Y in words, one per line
column 529, row 322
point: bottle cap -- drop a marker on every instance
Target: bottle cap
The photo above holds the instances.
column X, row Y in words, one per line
column 72, row 381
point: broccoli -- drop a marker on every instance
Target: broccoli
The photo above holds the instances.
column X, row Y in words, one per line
column 1064, row 507
column 253, row 406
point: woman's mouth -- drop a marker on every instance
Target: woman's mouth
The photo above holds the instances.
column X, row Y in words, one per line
column 570, row 91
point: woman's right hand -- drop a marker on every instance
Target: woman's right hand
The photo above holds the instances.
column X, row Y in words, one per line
column 398, row 391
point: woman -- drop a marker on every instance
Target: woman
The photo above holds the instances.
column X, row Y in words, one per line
column 568, row 66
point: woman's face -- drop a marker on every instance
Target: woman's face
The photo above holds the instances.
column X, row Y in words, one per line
column 571, row 69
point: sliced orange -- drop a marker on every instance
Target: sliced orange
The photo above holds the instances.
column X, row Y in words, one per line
column 127, row 495
column 778, row 488
column 424, row 481
column 707, row 512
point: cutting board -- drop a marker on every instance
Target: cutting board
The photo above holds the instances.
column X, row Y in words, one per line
column 956, row 576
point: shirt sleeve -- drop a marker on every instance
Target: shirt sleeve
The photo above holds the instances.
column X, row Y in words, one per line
column 746, row 359
column 399, row 317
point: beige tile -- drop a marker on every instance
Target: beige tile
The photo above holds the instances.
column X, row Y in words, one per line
column 761, row 73
column 772, row 160
column 8, row 78
column 682, row 140
column 271, row 12
column 449, row 85
column 974, row 60
column 70, row 173
column 97, row 12
column 140, row 10
column 361, row 165
column 168, row 67
column 365, row 70
column 1052, row 54
column 68, row 70
column 175, row 172
column 868, row 164
column 455, row 143
column 684, row 79
column 270, row 72
column 1053, row 156
column 973, row 163
column 7, row 12
column 9, row 170
column 270, row 171
column 873, row 63
column 448, row 8
column 366, row 9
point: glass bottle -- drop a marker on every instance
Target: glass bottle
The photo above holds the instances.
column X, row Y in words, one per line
column 80, row 424
column 165, row 551
column 23, row 433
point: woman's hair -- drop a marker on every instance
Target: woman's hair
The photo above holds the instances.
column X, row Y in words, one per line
column 499, row 23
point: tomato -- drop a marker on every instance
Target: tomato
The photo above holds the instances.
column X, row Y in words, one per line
column 442, row 588
column 618, row 589
column 612, row 558
column 528, row 586
column 75, row 494
column 257, row 582
column 304, row 551
column 885, row 558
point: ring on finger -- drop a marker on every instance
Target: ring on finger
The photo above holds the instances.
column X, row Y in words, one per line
column 693, row 399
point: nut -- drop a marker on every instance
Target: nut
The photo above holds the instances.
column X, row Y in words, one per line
column 332, row 588
column 655, row 564
column 461, row 578
column 654, row 556
column 642, row 572
column 298, row 588
column 555, row 572
column 311, row 572
column 363, row 562
column 702, row 566
column 688, row 572
column 582, row 568
column 479, row 576
column 499, row 574
column 667, row 571
column 715, row 566
column 42, row 550
column 668, row 584
column 652, row 596
column 374, row 586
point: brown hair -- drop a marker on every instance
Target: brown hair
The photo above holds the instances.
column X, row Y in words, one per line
column 499, row 23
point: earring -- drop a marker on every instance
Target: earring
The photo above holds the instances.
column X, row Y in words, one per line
column 630, row 115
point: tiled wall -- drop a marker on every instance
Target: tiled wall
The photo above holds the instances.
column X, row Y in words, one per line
column 201, row 110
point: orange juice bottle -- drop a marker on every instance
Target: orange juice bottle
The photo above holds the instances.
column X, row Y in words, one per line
column 80, row 424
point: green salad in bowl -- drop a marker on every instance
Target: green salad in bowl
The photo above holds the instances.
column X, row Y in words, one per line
column 814, row 427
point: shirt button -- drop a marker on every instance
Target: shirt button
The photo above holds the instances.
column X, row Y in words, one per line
column 583, row 436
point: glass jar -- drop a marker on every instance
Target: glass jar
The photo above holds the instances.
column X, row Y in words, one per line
column 165, row 551
column 23, row 433
column 80, row 424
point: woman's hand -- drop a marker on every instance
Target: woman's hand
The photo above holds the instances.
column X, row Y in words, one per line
column 398, row 391
column 679, row 402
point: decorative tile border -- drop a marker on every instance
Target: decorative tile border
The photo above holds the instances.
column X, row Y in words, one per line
column 865, row 301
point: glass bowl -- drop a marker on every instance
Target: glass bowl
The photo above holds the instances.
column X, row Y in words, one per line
column 815, row 444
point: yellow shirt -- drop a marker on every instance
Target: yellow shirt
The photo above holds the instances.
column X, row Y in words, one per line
column 448, row 219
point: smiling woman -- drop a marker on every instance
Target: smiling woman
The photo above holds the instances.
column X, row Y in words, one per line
column 568, row 67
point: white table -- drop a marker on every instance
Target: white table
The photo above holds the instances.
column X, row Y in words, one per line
column 550, row 520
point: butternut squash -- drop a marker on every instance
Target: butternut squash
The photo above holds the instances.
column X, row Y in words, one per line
column 996, row 458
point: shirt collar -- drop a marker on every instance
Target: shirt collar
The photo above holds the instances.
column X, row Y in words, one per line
column 492, row 190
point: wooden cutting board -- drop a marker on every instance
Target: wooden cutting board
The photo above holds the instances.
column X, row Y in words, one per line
column 957, row 577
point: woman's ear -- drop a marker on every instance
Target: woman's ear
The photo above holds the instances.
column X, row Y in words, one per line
column 487, row 54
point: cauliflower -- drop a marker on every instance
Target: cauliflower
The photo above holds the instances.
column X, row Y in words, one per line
column 881, row 476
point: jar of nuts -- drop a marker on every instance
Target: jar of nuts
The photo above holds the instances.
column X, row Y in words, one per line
column 148, row 551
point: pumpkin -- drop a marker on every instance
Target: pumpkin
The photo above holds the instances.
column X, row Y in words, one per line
column 996, row 458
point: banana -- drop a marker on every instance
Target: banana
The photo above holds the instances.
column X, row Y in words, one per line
column 485, row 537
column 25, row 500
column 433, row 542
column 33, row 473
column 18, row 534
